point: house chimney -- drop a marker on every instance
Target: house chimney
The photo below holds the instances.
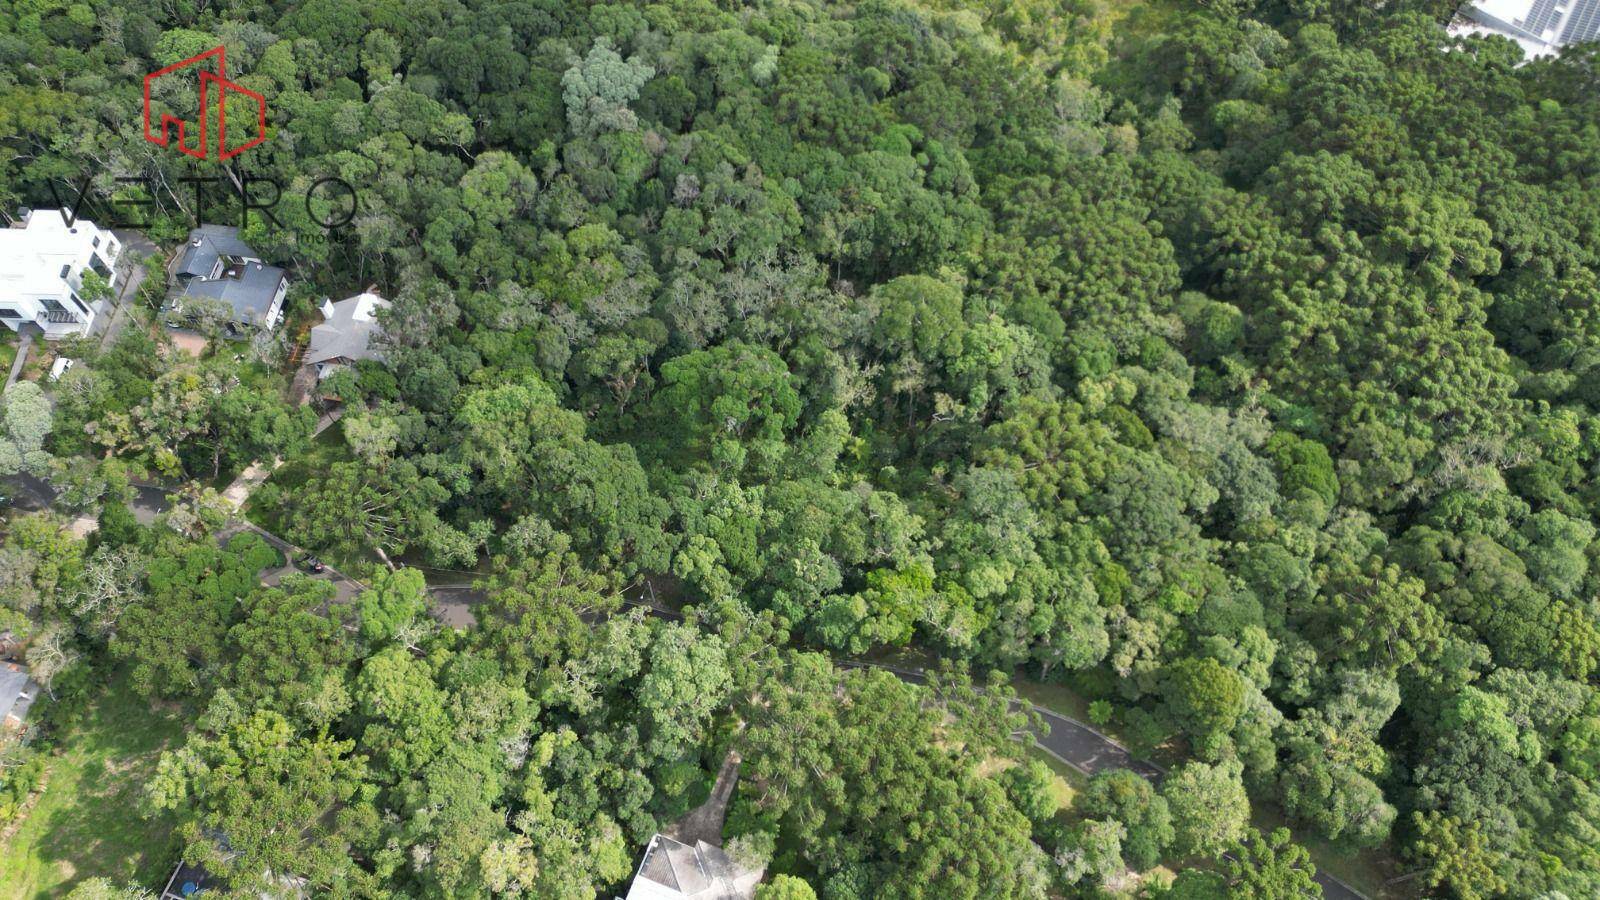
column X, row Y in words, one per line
column 327, row 308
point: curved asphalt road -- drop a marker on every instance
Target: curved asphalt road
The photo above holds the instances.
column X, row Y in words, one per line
column 1083, row 748
column 1074, row 743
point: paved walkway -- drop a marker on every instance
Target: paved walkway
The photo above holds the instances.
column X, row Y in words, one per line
column 704, row 822
column 256, row 473
column 135, row 247
column 24, row 344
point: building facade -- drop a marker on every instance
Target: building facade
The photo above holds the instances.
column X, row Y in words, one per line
column 42, row 264
column 1542, row 27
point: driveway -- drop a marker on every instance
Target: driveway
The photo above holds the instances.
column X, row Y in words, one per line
column 135, row 247
column 1080, row 746
column 33, row 493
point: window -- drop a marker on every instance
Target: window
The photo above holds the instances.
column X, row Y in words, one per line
column 95, row 242
column 99, row 265
column 79, row 303
column 65, row 269
column 7, row 312
column 51, row 304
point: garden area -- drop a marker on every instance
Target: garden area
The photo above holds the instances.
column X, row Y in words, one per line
column 91, row 818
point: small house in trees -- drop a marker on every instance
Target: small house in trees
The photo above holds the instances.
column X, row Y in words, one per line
column 216, row 270
column 346, row 333
column 190, row 880
column 673, row 870
column 17, row 693
column 193, row 881
column 43, row 259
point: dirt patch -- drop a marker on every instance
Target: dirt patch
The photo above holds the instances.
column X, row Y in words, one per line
column 189, row 342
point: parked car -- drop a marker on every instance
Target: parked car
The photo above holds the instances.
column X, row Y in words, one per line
column 312, row 564
column 60, row 368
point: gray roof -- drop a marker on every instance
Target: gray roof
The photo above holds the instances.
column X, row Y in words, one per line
column 673, row 869
column 206, row 245
column 248, row 288
column 17, row 692
column 346, row 333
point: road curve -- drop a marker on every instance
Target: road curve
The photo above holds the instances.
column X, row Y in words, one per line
column 1074, row 743
column 1082, row 747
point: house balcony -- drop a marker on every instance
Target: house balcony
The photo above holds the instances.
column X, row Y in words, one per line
column 58, row 317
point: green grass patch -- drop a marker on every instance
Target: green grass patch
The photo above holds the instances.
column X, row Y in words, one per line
column 1068, row 782
column 91, row 819
column 8, row 351
column 1368, row 871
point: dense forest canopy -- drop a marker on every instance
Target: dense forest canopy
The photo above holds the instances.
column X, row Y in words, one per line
column 1236, row 365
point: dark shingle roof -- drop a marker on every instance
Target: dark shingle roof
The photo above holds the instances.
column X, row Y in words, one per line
column 207, row 244
column 249, row 289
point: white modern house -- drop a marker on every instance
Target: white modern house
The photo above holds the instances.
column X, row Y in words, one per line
column 42, row 262
column 1542, row 27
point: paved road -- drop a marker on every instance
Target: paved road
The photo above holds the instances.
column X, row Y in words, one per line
column 135, row 246
column 1080, row 746
column 1074, row 743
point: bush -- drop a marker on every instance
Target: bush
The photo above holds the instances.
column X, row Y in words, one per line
column 17, row 782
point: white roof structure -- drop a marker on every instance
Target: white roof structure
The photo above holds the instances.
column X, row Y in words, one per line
column 42, row 260
column 673, row 870
column 31, row 256
column 1542, row 27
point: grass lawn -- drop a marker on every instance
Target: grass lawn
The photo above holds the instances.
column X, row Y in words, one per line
column 90, row 821
column 1068, row 782
column 1365, row 870
column 8, row 351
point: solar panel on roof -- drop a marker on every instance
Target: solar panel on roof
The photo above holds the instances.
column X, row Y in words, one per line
column 1583, row 24
column 1544, row 15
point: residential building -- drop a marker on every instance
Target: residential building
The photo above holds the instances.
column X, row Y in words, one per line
column 218, row 265
column 1542, row 27
column 17, row 693
column 193, row 881
column 42, row 263
column 346, row 333
column 190, row 880
column 673, row 870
